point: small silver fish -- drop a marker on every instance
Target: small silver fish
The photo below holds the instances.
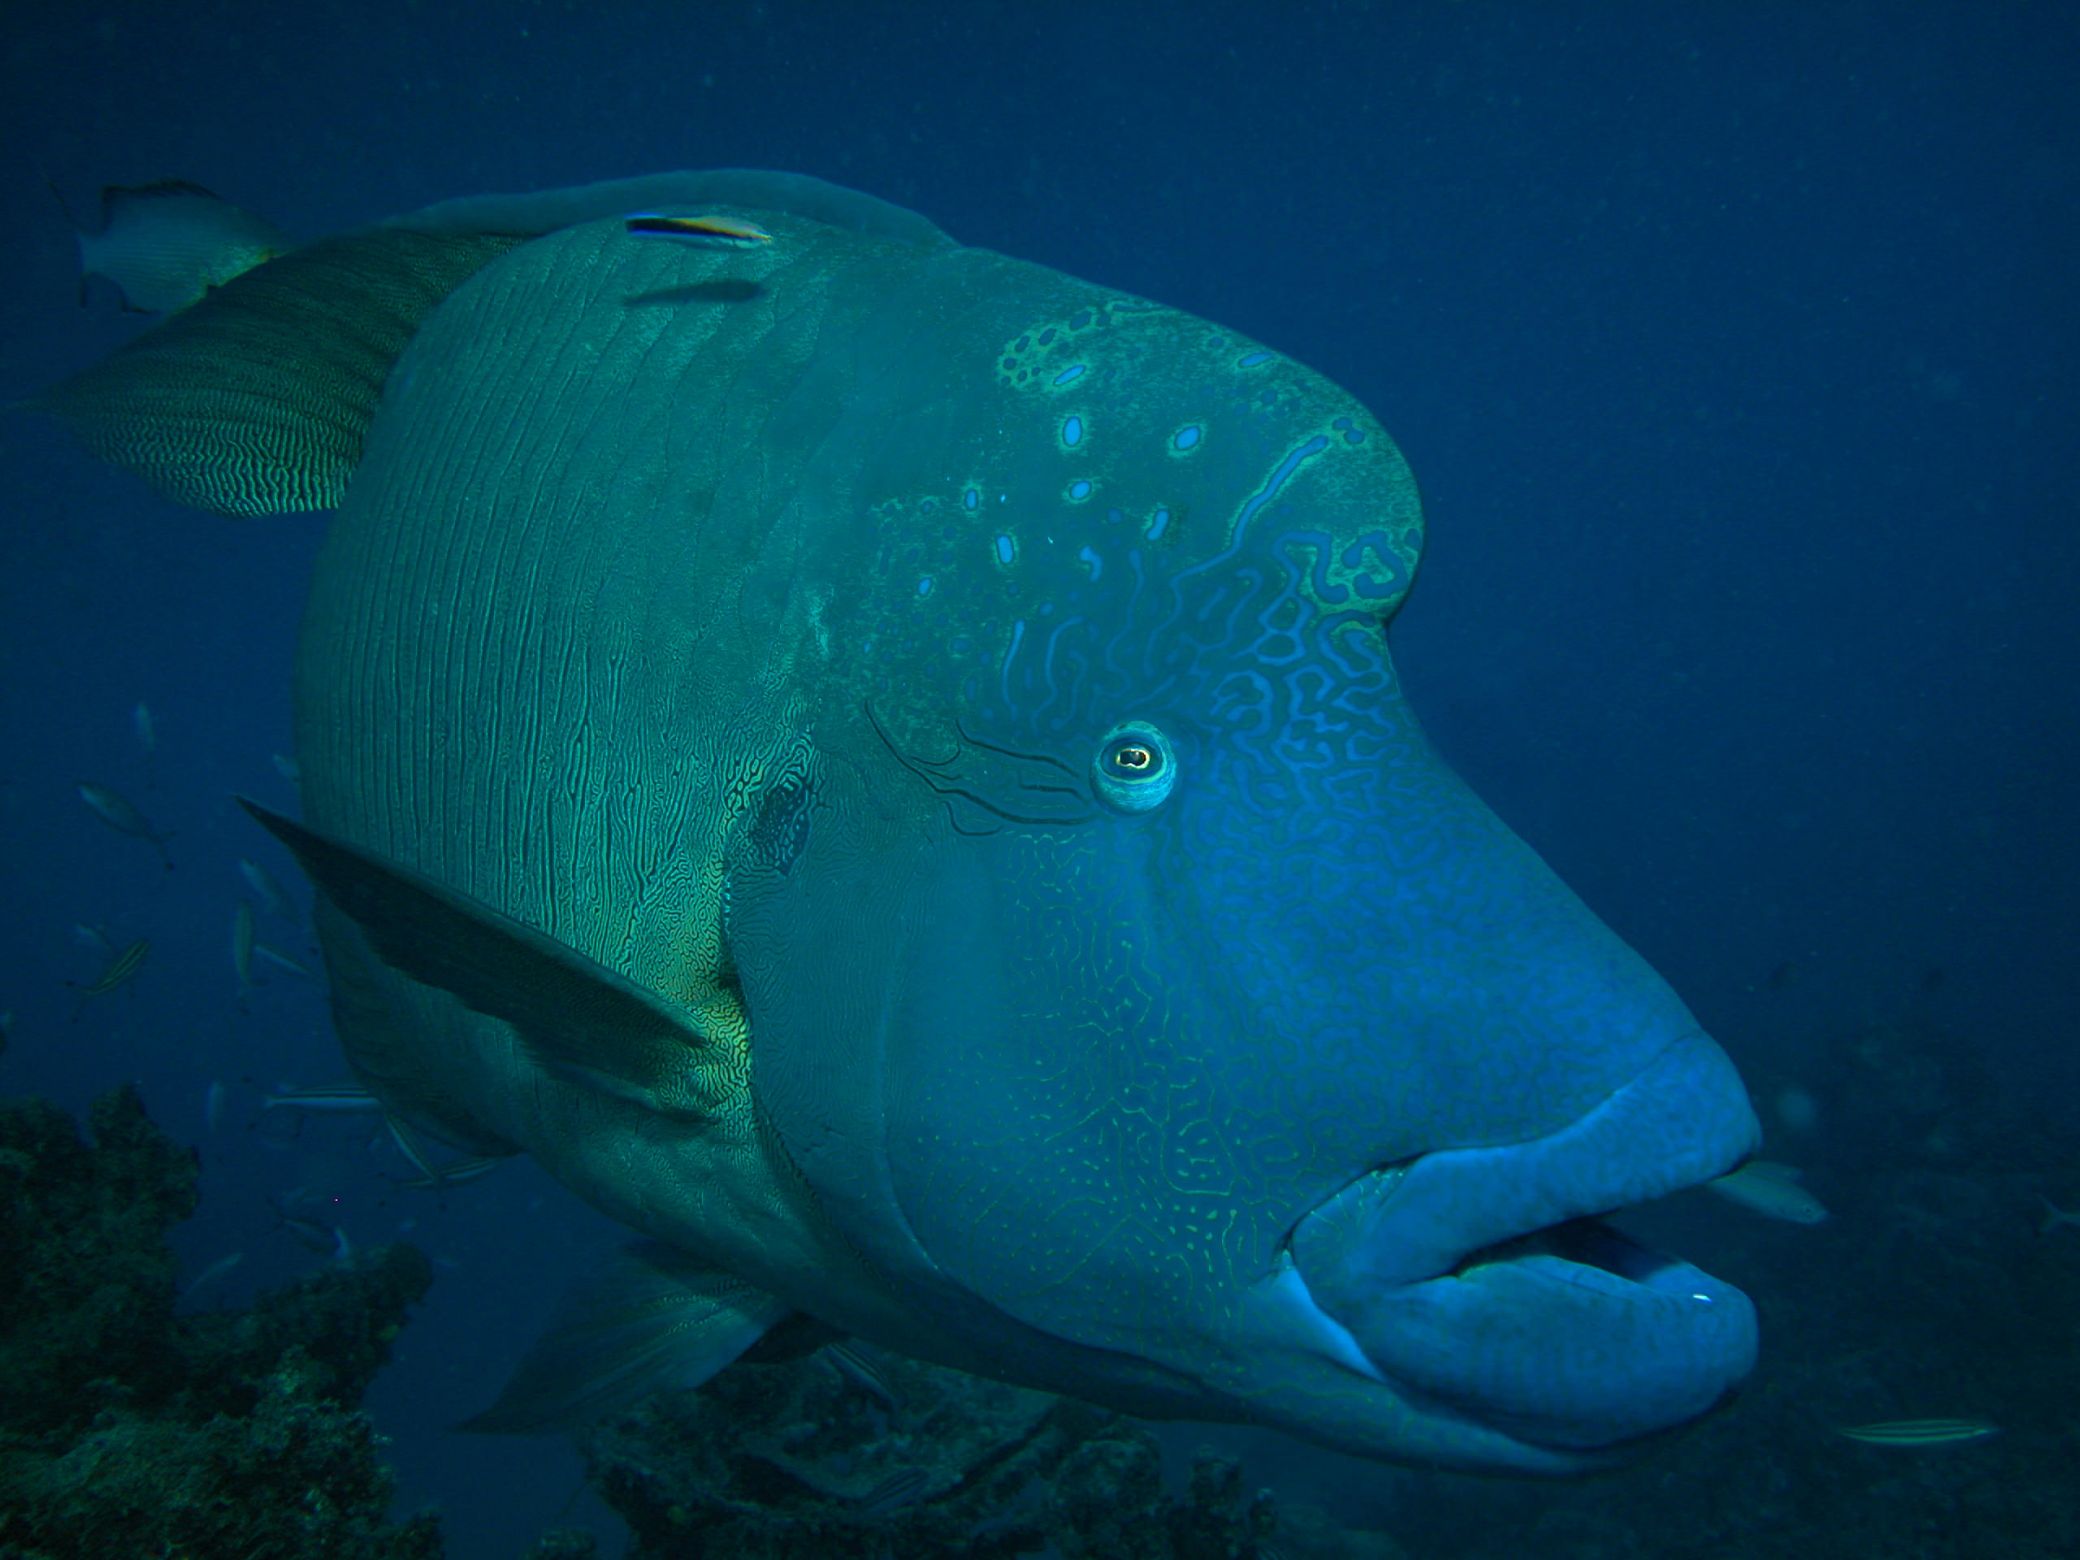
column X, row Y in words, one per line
column 288, row 768
column 2057, row 1218
column 265, row 889
column 858, row 1369
column 315, row 1234
column 120, row 968
column 893, row 1493
column 328, row 1096
column 1772, row 1190
column 213, row 1272
column 453, row 1173
column 91, row 937
column 213, row 1105
column 122, row 815
column 141, row 723
column 242, row 948
column 1920, row 1432
column 165, row 245
column 281, row 960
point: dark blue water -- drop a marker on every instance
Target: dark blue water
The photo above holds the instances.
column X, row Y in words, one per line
column 1734, row 348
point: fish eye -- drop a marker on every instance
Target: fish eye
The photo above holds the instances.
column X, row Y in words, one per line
column 1135, row 768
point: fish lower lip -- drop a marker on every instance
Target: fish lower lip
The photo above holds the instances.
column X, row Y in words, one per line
column 1478, row 1278
column 1573, row 1338
column 1681, row 1122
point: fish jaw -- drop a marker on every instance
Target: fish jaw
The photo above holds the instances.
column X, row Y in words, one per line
column 1475, row 1285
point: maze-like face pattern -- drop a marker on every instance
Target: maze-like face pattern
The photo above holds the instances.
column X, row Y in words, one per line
column 1149, row 518
column 1166, row 525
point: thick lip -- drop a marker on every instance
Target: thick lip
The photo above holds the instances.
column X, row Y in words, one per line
column 1479, row 1279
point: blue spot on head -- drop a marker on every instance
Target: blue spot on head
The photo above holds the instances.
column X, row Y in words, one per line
column 971, row 498
column 1252, row 359
column 1185, row 438
column 1089, row 559
column 1113, row 517
column 924, row 585
column 928, row 506
column 1079, row 490
column 1158, row 523
column 1006, row 549
column 1072, row 430
column 1069, row 375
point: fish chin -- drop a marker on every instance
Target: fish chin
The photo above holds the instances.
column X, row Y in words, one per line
column 1477, row 1285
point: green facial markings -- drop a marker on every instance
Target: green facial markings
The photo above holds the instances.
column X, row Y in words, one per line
column 1117, row 512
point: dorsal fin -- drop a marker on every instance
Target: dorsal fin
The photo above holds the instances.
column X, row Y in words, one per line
column 256, row 400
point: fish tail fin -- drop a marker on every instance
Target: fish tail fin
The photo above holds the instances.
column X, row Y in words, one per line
column 255, row 400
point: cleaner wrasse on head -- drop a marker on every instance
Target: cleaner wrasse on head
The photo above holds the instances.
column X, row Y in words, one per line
column 725, row 230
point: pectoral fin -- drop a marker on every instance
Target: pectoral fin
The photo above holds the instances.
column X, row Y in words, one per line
column 573, row 1013
column 653, row 1320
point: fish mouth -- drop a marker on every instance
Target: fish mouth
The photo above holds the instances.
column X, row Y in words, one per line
column 1480, row 1284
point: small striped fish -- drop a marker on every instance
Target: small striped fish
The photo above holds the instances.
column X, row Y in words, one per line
column 1919, row 1432
column 120, row 968
column 121, row 814
column 726, row 231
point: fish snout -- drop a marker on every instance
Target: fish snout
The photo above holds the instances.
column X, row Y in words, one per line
column 1478, row 1280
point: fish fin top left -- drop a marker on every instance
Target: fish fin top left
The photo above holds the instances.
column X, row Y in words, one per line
column 256, row 399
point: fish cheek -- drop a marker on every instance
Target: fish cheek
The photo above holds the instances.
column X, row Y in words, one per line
column 815, row 917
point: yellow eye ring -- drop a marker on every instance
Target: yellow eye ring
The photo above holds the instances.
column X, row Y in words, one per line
column 1135, row 767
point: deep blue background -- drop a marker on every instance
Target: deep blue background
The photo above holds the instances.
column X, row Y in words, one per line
column 1733, row 345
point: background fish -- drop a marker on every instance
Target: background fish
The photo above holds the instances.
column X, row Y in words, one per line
column 1920, row 1432
column 213, row 1272
column 121, row 814
column 147, row 733
column 281, row 960
column 242, row 948
column 1772, row 1190
column 266, row 891
column 120, row 969
column 164, row 245
column 323, row 1097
